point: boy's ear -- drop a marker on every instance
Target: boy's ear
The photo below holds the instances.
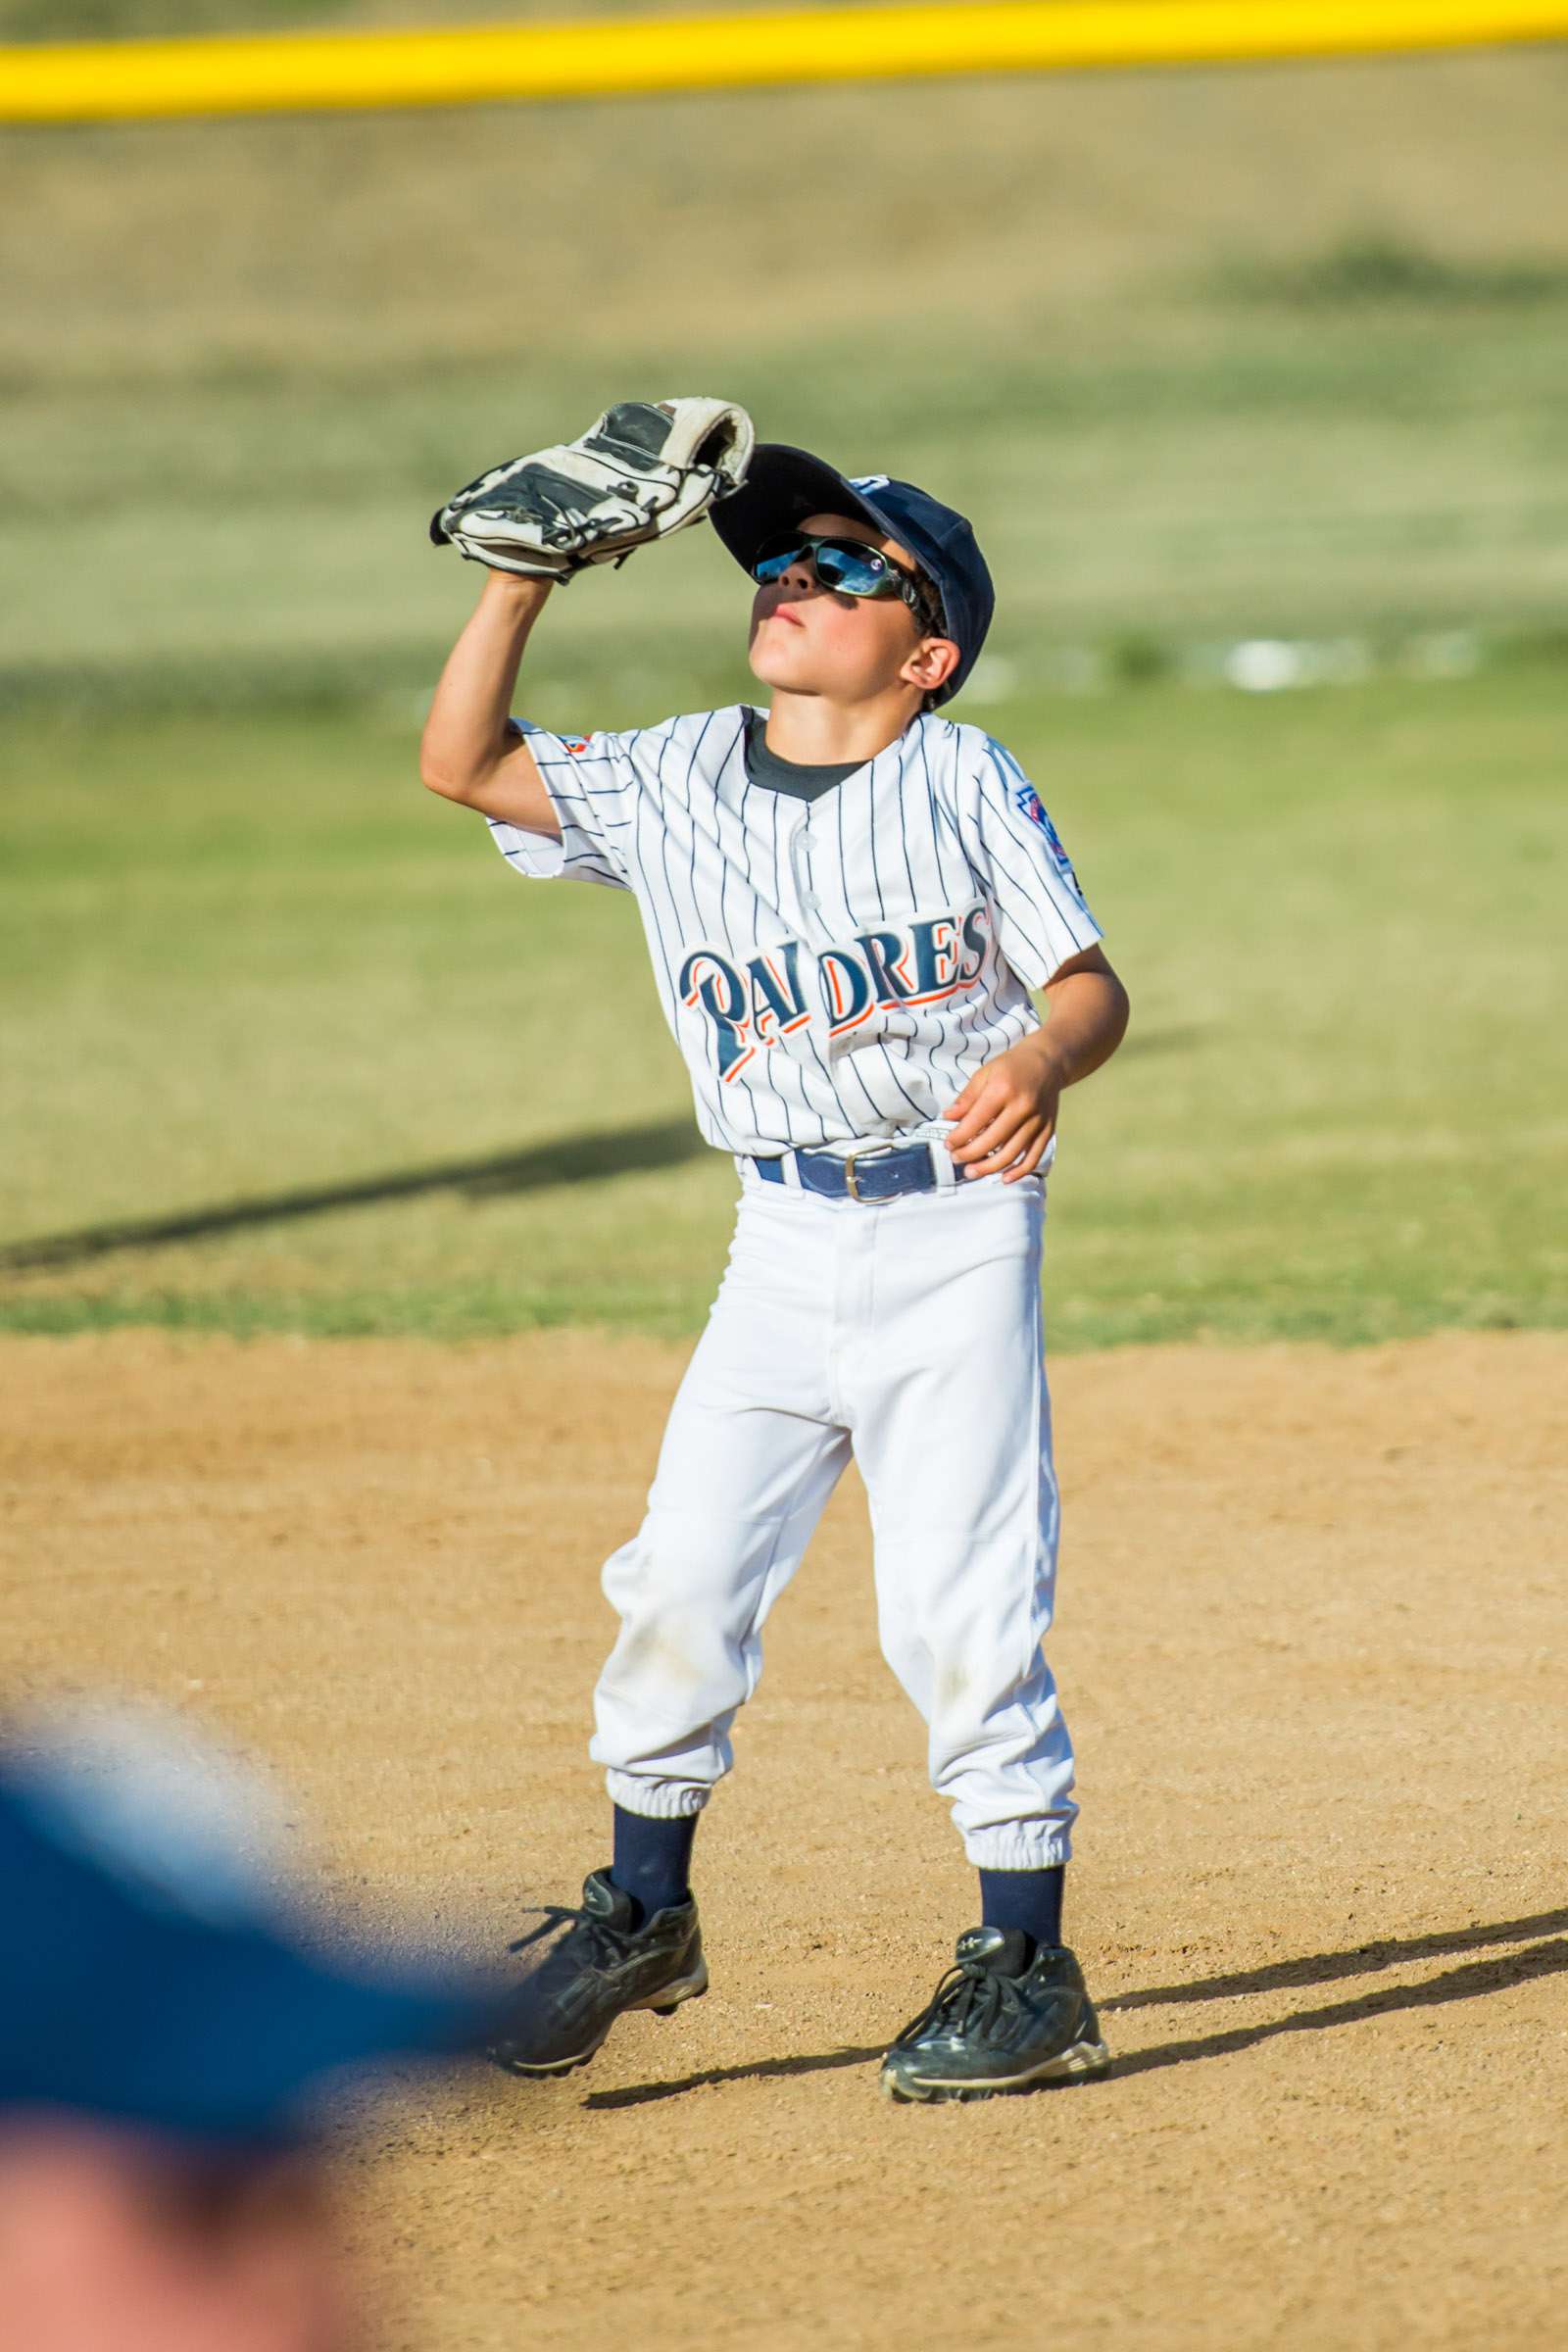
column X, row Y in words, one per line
column 932, row 663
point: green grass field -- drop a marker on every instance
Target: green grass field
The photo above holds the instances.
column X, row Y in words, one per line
column 1207, row 355
column 247, row 964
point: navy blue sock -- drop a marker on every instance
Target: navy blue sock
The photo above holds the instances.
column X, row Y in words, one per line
column 1030, row 1900
column 653, row 1859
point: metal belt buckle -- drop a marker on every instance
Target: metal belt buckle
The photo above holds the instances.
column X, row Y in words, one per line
column 865, row 1151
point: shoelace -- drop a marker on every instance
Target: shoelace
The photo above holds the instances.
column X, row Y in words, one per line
column 605, row 1946
column 967, row 1992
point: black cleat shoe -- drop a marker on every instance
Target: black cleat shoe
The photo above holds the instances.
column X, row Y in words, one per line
column 997, row 2021
column 602, row 1967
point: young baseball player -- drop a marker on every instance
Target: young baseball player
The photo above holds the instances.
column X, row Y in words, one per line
column 848, row 900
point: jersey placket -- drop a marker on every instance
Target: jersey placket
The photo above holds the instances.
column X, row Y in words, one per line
column 849, row 1233
column 814, row 929
column 801, row 871
column 817, row 833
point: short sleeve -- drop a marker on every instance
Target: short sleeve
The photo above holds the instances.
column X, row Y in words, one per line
column 592, row 780
column 1019, row 861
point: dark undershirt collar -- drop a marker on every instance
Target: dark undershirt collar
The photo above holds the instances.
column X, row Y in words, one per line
column 799, row 780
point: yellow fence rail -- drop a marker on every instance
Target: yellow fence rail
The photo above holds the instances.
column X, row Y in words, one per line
column 95, row 81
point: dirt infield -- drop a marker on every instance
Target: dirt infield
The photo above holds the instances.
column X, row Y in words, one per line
column 1312, row 1642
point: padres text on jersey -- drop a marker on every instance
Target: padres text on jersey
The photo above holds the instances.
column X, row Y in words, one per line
column 832, row 970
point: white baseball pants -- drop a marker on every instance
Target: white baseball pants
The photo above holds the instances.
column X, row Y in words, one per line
column 909, row 1332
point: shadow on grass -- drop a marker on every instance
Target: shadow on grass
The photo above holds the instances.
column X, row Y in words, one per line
column 1173, row 1040
column 570, row 1160
column 1492, row 1974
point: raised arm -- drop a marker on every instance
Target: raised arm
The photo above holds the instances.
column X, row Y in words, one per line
column 470, row 751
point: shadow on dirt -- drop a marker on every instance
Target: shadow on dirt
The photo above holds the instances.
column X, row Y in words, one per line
column 1327, row 1968
column 824, row 2062
column 1459, row 1984
column 1492, row 1974
column 570, row 1160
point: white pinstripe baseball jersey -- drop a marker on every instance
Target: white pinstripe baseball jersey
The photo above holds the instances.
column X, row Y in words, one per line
column 832, row 970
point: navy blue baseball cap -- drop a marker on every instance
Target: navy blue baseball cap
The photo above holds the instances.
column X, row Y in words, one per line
column 784, row 485
column 146, row 1976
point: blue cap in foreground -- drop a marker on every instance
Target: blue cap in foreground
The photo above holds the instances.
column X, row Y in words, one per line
column 144, row 1977
column 784, row 485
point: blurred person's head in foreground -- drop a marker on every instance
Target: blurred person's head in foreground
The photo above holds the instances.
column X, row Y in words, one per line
column 161, row 2033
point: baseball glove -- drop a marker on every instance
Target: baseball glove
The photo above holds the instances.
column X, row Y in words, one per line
column 646, row 468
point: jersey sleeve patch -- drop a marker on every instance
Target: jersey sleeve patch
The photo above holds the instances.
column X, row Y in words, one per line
column 1021, row 861
column 1033, row 808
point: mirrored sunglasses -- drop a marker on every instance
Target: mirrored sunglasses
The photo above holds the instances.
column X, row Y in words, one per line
column 847, row 566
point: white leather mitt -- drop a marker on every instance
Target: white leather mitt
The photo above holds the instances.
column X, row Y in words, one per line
column 646, row 469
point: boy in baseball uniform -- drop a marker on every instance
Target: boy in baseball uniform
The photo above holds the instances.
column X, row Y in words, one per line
column 849, row 902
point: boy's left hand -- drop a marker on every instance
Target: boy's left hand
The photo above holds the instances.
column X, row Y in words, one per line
column 1007, row 1114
